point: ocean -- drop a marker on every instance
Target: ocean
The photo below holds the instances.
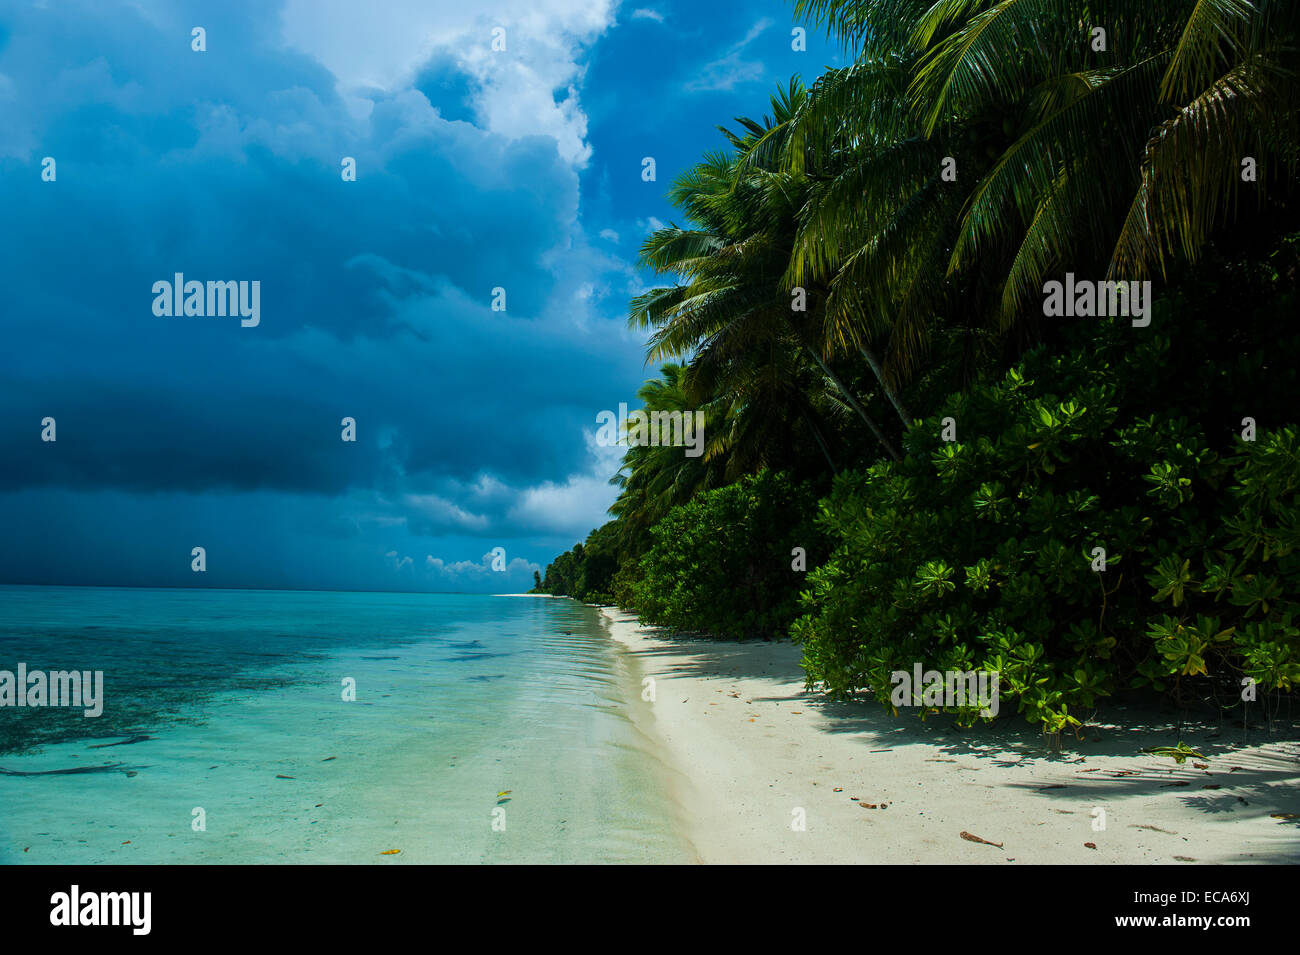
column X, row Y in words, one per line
column 483, row 730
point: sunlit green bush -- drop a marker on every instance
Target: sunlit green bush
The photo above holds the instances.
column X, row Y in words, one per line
column 982, row 553
column 723, row 563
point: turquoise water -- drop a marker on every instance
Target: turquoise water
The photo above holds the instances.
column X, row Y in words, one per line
column 211, row 696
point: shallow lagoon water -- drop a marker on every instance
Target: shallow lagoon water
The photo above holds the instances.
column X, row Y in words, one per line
column 458, row 698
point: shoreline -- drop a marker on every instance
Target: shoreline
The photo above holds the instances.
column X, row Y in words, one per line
column 749, row 752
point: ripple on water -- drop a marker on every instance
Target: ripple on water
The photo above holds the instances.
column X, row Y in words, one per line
column 231, row 702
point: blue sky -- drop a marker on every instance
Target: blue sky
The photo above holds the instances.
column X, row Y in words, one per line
column 476, row 169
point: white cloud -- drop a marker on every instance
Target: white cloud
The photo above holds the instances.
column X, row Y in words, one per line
column 732, row 68
column 487, row 486
column 754, row 32
column 572, row 506
column 517, row 569
column 383, row 45
column 577, row 505
column 443, row 512
column 398, row 563
column 609, row 235
column 645, row 13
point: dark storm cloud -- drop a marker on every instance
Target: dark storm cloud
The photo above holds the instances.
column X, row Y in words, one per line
column 375, row 294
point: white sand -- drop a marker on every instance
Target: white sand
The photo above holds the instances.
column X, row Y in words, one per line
column 747, row 747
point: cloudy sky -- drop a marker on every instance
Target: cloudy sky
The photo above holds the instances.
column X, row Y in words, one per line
column 476, row 169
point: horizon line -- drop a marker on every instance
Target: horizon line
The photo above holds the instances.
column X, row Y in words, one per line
column 282, row 590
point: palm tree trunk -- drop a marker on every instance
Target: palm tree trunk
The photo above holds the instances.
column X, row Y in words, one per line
column 817, row 436
column 890, row 393
column 853, row 403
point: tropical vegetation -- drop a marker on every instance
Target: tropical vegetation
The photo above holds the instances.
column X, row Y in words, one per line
column 1088, row 506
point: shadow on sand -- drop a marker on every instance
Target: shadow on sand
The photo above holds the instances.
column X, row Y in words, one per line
column 1248, row 772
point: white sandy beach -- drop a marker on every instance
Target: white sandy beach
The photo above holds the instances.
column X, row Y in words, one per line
column 748, row 748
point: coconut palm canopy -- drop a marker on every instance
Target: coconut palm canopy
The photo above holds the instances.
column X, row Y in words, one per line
column 917, row 200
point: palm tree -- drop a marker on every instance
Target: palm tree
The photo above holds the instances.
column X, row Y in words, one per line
column 767, row 418
column 655, row 479
column 1121, row 149
column 735, row 300
column 877, row 228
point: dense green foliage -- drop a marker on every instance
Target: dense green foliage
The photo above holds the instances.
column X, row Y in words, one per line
column 587, row 571
column 869, row 260
column 978, row 554
column 726, row 564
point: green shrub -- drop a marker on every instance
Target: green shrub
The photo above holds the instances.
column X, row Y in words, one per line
column 979, row 554
column 587, row 571
column 722, row 563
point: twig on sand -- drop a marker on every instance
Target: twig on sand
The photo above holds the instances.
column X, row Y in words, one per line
column 969, row 837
